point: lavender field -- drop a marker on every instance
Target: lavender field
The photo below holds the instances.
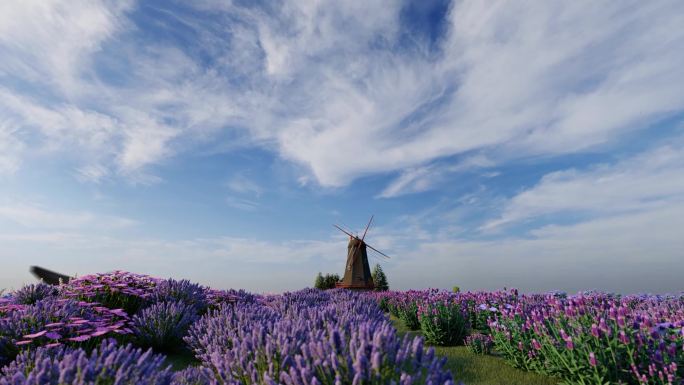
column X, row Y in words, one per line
column 123, row 328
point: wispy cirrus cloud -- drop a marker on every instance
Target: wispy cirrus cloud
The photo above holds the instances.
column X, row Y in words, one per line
column 317, row 82
column 34, row 216
column 11, row 148
column 646, row 181
column 626, row 252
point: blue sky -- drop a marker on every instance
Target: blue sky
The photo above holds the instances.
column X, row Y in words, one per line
column 535, row 145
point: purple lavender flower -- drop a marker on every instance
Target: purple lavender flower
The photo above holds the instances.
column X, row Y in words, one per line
column 479, row 343
column 192, row 294
column 115, row 290
column 30, row 294
column 311, row 337
column 163, row 325
column 195, row 375
column 55, row 321
column 107, row 364
column 592, row 359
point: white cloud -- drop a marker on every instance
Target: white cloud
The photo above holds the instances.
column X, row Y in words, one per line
column 326, row 86
column 527, row 79
column 50, row 41
column 241, row 184
column 91, row 173
column 629, row 253
column 653, row 179
column 420, row 179
column 10, row 149
column 241, row 203
column 32, row 216
column 410, row 181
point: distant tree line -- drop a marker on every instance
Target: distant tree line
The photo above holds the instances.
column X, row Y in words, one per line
column 325, row 282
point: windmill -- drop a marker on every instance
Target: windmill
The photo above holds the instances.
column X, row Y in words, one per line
column 357, row 274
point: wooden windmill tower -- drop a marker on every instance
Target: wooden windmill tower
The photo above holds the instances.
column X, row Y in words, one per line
column 357, row 274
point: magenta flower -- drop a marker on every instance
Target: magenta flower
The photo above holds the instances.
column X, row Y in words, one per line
column 536, row 345
column 53, row 335
column 80, row 338
column 36, row 335
column 569, row 344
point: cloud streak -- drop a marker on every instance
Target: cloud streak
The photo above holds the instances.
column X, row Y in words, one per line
column 318, row 83
column 647, row 181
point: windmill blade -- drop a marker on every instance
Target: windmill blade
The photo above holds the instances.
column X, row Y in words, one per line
column 344, row 231
column 345, row 226
column 48, row 276
column 377, row 251
column 367, row 227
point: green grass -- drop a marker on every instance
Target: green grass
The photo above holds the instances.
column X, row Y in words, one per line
column 473, row 369
column 181, row 360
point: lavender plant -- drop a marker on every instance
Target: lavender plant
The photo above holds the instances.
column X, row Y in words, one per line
column 309, row 337
column 195, row 375
column 115, row 290
column 30, row 294
column 443, row 322
column 372, row 354
column 479, row 343
column 171, row 290
column 162, row 325
column 595, row 338
column 215, row 330
column 408, row 313
column 52, row 322
column 106, row 364
column 217, row 298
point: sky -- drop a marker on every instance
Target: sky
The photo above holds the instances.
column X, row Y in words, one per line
column 528, row 144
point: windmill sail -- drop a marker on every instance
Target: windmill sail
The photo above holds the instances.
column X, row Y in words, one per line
column 48, row 276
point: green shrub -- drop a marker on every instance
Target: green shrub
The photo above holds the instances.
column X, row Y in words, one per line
column 479, row 343
column 456, row 289
column 408, row 313
column 443, row 323
column 325, row 282
column 384, row 304
column 319, row 283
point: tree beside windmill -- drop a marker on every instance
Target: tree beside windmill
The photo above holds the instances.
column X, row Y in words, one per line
column 357, row 272
column 379, row 278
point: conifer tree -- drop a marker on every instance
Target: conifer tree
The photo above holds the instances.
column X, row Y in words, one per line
column 319, row 283
column 379, row 279
column 330, row 280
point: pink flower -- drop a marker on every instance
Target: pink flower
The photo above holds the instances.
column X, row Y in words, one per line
column 623, row 337
column 536, row 345
column 592, row 359
column 595, row 331
column 36, row 335
column 54, row 324
column 80, row 338
column 99, row 332
column 569, row 344
column 53, row 335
